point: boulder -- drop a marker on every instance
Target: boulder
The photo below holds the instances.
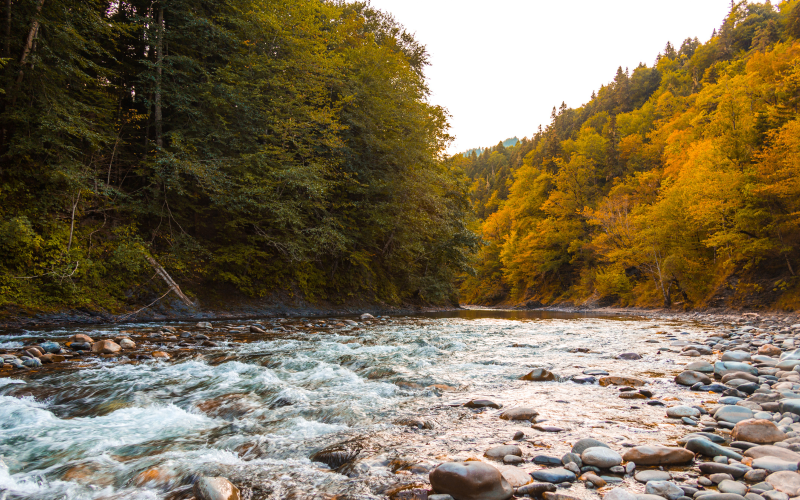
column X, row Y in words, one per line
column 658, row 455
column 106, row 347
column 690, row 378
column 757, row 431
column 215, row 488
column 600, row 456
column 470, row 481
column 539, row 375
column 519, row 414
column 785, row 481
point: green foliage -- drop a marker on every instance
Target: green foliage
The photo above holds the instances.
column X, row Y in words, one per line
column 279, row 145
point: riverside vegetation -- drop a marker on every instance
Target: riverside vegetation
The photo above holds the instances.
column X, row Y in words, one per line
column 677, row 184
column 253, row 147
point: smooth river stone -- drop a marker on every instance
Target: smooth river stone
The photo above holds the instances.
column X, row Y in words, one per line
column 624, row 381
column 709, row 449
column 515, row 476
column 728, row 486
column 689, row 378
column 664, row 489
column 791, row 355
column 739, row 356
column 652, row 475
column 558, row 475
column 773, row 451
column 483, row 403
column 722, row 368
column 519, row 414
column 733, row 414
column 788, row 365
column 774, row 464
column 785, row 482
column 715, row 468
column 791, row 406
column 619, row 494
column 540, row 375
column 700, row 366
column 586, row 443
column 215, row 488
column 682, row 411
column 658, row 455
column 498, row 452
column 470, row 481
column 602, row 457
column 757, row 431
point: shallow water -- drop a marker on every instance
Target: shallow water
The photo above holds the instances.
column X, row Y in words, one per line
column 256, row 407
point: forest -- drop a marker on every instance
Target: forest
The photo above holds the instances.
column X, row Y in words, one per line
column 675, row 185
column 247, row 148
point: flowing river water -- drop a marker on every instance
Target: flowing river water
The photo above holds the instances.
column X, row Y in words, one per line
column 255, row 407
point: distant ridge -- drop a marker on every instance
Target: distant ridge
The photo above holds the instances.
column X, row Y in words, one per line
column 506, row 144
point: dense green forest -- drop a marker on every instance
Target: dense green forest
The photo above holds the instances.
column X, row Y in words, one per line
column 677, row 184
column 247, row 146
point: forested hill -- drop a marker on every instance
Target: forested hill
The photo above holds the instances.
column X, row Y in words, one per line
column 248, row 147
column 677, row 184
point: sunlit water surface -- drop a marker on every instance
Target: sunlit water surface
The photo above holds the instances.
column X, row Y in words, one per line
column 256, row 407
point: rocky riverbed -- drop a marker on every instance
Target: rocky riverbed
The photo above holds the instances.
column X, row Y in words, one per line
column 472, row 404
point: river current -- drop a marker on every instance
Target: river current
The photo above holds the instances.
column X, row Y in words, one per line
column 257, row 406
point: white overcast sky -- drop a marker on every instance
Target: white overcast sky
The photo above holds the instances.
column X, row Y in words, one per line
column 500, row 66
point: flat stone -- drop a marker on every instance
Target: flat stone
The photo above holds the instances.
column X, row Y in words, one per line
column 519, row 414
column 709, row 449
column 595, row 372
column 682, row 411
column 722, row 496
column 700, row 366
column 772, row 451
column 558, row 475
column 470, row 481
column 733, row 414
column 774, row 464
column 658, row 455
column 534, row 490
column 586, row 443
column 514, row 476
column 630, row 356
column 739, row 356
column 498, row 452
column 665, row 489
column 785, row 481
column 547, row 460
column 572, row 458
column 715, row 468
column 482, row 403
column 722, row 368
column 624, row 381
column 652, row 475
column 601, row 456
column 757, row 431
column 791, row 406
column 619, row 494
column 689, row 378
column 734, row 487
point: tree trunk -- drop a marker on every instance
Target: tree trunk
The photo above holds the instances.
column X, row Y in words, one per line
column 26, row 51
column 7, row 51
column 159, row 73
column 169, row 281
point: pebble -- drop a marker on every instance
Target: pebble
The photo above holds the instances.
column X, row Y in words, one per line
column 519, row 414
column 584, row 444
column 602, row 457
column 664, row 489
column 682, row 411
column 658, row 455
column 652, row 475
column 470, row 481
column 540, row 375
column 483, row 403
column 498, row 452
column 558, row 475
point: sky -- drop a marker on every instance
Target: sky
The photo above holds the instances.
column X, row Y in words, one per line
column 499, row 67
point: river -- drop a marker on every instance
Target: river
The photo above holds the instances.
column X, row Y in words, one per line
column 257, row 406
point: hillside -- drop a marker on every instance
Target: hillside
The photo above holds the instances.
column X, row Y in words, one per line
column 675, row 185
column 245, row 149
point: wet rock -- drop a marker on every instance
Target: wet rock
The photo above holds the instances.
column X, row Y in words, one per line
column 52, row 358
column 740, row 356
column 50, row 347
column 470, row 481
column 755, row 475
column 256, row 329
column 539, row 375
column 513, row 460
column 127, row 344
column 690, row 378
column 498, row 452
column 106, row 347
column 786, row 482
column 338, row 455
column 572, row 458
column 584, row 444
column 709, row 449
column 682, row 411
column 700, row 366
column 664, row 489
column 440, row 497
column 160, row 354
column 514, row 476
column 728, row 486
column 204, row 324
column 584, row 380
column 632, row 395
column 630, row 356
column 717, row 468
column 719, row 477
column 600, row 456
column 594, row 479
column 519, row 414
column 619, row 494
column 547, row 428
column 32, row 362
column 558, row 475
column 483, row 403
column 415, row 422
column 772, row 451
column 733, row 414
column 774, row 495
column 769, row 350
column 646, row 476
column 366, row 316
column 721, row 496
column 791, row 406
column 614, row 380
column 534, row 489
column 546, row 460
column 595, row 372
column 722, row 368
column 215, row 488
column 658, row 455
column 80, row 346
column 547, row 495
column 80, row 337
column 519, row 435
column 757, row 431
column 774, row 464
